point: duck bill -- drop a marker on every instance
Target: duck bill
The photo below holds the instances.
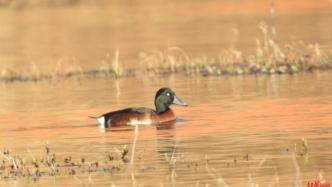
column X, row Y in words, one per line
column 178, row 101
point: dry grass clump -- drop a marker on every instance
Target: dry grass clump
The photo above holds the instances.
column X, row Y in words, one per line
column 20, row 166
column 14, row 167
column 67, row 68
column 111, row 66
column 269, row 58
column 21, row 4
column 170, row 60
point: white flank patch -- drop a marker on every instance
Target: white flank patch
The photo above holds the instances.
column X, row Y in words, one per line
column 140, row 122
column 101, row 121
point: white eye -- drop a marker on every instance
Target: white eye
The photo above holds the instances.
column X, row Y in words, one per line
column 168, row 94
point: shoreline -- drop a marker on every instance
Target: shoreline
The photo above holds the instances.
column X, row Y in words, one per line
column 205, row 71
column 269, row 59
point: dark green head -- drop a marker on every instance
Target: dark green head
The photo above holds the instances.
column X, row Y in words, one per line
column 164, row 98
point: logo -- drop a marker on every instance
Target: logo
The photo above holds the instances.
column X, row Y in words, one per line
column 317, row 183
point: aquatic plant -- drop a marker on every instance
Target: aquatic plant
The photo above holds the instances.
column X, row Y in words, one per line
column 111, row 66
column 65, row 69
column 269, row 58
column 20, row 166
column 31, row 167
column 21, row 4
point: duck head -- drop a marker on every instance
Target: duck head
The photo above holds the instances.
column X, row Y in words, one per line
column 166, row 97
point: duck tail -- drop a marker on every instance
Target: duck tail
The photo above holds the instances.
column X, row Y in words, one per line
column 100, row 119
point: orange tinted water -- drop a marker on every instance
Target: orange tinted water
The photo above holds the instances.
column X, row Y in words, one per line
column 246, row 127
column 237, row 130
column 84, row 35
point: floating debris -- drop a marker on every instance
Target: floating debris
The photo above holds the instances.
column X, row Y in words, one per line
column 302, row 148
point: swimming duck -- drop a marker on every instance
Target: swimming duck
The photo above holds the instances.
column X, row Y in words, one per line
column 144, row 116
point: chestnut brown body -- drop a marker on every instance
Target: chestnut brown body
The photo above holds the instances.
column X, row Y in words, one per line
column 144, row 116
column 138, row 116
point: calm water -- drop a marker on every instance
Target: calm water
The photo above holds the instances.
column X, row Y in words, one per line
column 246, row 127
column 84, row 35
column 238, row 130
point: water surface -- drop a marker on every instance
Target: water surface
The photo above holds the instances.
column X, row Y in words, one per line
column 86, row 34
column 236, row 128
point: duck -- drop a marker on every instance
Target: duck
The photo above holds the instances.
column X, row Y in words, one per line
column 164, row 98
